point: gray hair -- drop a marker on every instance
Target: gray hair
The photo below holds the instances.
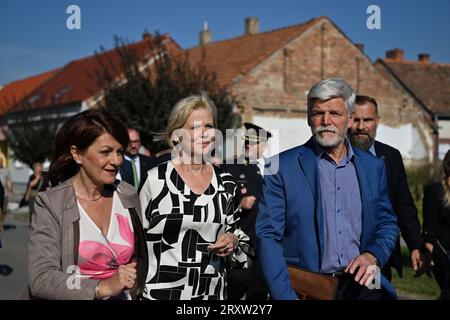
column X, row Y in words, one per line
column 331, row 88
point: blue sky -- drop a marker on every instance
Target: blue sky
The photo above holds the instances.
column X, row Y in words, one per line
column 34, row 37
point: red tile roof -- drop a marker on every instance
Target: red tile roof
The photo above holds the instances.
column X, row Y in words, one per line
column 428, row 82
column 13, row 92
column 78, row 81
column 234, row 57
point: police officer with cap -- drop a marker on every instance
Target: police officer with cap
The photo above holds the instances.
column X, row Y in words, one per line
column 248, row 170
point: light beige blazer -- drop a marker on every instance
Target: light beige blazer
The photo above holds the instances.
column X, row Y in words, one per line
column 54, row 241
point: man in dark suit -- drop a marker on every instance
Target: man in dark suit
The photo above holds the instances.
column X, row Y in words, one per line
column 248, row 170
column 362, row 133
column 135, row 166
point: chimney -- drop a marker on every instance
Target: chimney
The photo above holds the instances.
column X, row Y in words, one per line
column 205, row 35
column 395, row 54
column 360, row 46
column 424, row 58
column 251, row 25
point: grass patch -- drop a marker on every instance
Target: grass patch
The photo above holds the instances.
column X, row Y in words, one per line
column 418, row 288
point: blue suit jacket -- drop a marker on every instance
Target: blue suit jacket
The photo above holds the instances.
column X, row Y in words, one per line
column 289, row 227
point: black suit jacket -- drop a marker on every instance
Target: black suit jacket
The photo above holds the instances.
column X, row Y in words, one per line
column 156, row 161
column 2, row 196
column 436, row 217
column 402, row 202
column 145, row 164
column 247, row 176
column 249, row 281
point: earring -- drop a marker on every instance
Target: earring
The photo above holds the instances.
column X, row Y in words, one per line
column 177, row 140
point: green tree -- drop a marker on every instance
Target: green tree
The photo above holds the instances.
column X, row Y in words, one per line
column 143, row 99
column 30, row 135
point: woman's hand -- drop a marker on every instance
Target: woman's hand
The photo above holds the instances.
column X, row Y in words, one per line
column 124, row 278
column 225, row 245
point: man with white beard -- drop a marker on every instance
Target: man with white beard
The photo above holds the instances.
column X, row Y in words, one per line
column 326, row 210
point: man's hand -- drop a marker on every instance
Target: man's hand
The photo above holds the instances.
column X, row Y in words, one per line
column 416, row 259
column 248, row 202
column 366, row 266
column 35, row 181
column 427, row 261
column 430, row 247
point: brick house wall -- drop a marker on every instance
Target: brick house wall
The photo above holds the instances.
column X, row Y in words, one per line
column 278, row 86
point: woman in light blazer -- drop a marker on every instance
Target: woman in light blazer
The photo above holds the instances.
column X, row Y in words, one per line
column 87, row 240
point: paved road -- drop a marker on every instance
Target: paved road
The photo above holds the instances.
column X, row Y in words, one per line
column 13, row 258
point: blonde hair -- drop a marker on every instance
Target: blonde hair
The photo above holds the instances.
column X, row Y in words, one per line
column 181, row 112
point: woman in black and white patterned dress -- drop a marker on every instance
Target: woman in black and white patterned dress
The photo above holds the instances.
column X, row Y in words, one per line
column 191, row 219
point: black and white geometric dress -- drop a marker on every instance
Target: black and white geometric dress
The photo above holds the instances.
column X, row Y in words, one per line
column 179, row 226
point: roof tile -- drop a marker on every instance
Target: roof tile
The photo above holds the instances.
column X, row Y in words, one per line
column 17, row 90
column 230, row 58
column 429, row 82
column 78, row 80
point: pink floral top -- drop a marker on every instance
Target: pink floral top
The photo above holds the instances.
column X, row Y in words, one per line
column 100, row 256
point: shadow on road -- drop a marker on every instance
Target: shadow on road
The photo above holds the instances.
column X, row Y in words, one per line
column 9, row 227
column 5, row 270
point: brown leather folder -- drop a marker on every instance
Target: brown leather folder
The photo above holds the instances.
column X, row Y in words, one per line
column 312, row 285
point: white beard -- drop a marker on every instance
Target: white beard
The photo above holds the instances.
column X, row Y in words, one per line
column 329, row 142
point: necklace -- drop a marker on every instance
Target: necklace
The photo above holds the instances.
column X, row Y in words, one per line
column 88, row 199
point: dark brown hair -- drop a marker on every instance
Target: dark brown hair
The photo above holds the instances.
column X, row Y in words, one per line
column 360, row 100
column 81, row 131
